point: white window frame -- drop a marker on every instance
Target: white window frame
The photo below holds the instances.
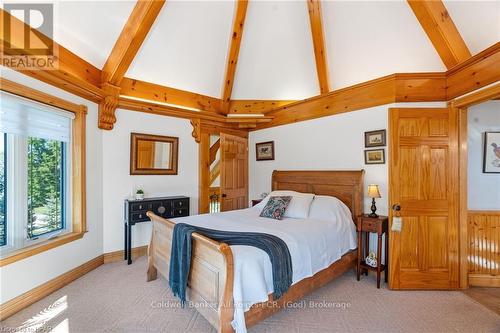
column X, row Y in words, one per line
column 17, row 196
column 76, row 176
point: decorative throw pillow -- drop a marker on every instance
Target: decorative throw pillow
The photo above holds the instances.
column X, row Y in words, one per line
column 275, row 207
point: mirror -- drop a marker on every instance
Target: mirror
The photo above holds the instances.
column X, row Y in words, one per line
column 153, row 154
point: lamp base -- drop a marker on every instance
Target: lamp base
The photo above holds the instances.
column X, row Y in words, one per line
column 374, row 209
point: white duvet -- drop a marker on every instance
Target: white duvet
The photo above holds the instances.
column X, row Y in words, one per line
column 314, row 244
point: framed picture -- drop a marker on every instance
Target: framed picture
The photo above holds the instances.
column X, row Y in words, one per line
column 375, row 156
column 264, row 151
column 375, row 139
column 491, row 162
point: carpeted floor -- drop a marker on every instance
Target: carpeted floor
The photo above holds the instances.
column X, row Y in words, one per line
column 116, row 298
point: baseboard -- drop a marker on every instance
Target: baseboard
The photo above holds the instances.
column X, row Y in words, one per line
column 481, row 280
column 20, row 302
column 118, row 255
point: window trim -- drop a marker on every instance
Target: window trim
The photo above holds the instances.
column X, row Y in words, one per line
column 5, row 191
column 77, row 177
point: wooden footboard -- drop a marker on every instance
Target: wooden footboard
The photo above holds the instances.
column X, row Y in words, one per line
column 210, row 283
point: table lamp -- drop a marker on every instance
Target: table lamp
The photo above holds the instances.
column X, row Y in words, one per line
column 373, row 193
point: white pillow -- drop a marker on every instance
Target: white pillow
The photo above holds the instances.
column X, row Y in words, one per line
column 327, row 208
column 332, row 210
column 299, row 205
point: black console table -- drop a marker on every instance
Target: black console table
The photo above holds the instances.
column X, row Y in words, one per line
column 135, row 212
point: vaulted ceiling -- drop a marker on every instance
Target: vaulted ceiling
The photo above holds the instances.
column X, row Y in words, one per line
column 258, row 56
column 188, row 44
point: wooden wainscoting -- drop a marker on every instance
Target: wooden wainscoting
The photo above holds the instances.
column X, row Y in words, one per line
column 484, row 248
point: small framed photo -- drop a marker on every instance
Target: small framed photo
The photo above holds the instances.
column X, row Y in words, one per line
column 375, row 156
column 264, row 151
column 491, row 161
column 375, row 139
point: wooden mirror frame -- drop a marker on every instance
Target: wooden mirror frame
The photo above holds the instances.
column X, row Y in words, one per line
column 135, row 137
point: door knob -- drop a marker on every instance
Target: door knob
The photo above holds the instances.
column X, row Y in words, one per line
column 224, row 195
column 396, row 207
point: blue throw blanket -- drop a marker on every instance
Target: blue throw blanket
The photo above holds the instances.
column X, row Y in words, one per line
column 180, row 256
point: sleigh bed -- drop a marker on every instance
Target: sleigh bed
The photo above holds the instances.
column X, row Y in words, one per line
column 211, row 278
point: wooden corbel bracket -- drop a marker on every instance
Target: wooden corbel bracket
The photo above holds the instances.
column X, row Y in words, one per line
column 196, row 123
column 107, row 106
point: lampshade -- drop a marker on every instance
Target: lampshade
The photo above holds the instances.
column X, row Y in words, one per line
column 373, row 191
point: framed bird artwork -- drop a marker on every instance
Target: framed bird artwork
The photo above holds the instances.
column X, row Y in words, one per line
column 491, row 162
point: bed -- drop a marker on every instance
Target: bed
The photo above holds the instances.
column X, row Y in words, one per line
column 215, row 276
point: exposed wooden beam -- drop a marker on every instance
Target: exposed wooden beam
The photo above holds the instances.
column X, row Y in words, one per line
column 234, row 50
column 166, row 110
column 385, row 90
column 249, row 106
column 213, row 150
column 214, row 172
column 126, row 47
column 476, row 72
column 130, row 40
column 316, row 20
column 158, row 93
column 70, row 73
column 439, row 27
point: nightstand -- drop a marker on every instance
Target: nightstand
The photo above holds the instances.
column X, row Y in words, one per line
column 378, row 225
column 255, row 201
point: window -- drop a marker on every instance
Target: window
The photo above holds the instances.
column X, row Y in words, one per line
column 41, row 173
column 46, row 182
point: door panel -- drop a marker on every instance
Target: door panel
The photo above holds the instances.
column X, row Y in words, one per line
column 234, row 172
column 423, row 181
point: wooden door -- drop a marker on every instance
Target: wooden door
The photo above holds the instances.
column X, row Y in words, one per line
column 233, row 172
column 423, row 173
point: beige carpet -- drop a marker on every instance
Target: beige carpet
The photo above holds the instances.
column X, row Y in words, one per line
column 116, row 298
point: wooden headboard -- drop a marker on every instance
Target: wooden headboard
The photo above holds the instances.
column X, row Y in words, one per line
column 347, row 186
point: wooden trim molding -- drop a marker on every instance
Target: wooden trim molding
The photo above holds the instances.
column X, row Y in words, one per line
column 250, row 106
column 416, row 87
column 478, row 97
column 72, row 74
column 78, row 177
column 479, row 280
column 478, row 71
column 315, row 18
column 439, row 27
column 117, row 256
column 234, row 50
column 20, row 302
column 461, row 106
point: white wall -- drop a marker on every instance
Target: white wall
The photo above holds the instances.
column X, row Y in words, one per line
column 108, row 184
column 483, row 188
column 118, row 184
column 330, row 143
column 26, row 274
